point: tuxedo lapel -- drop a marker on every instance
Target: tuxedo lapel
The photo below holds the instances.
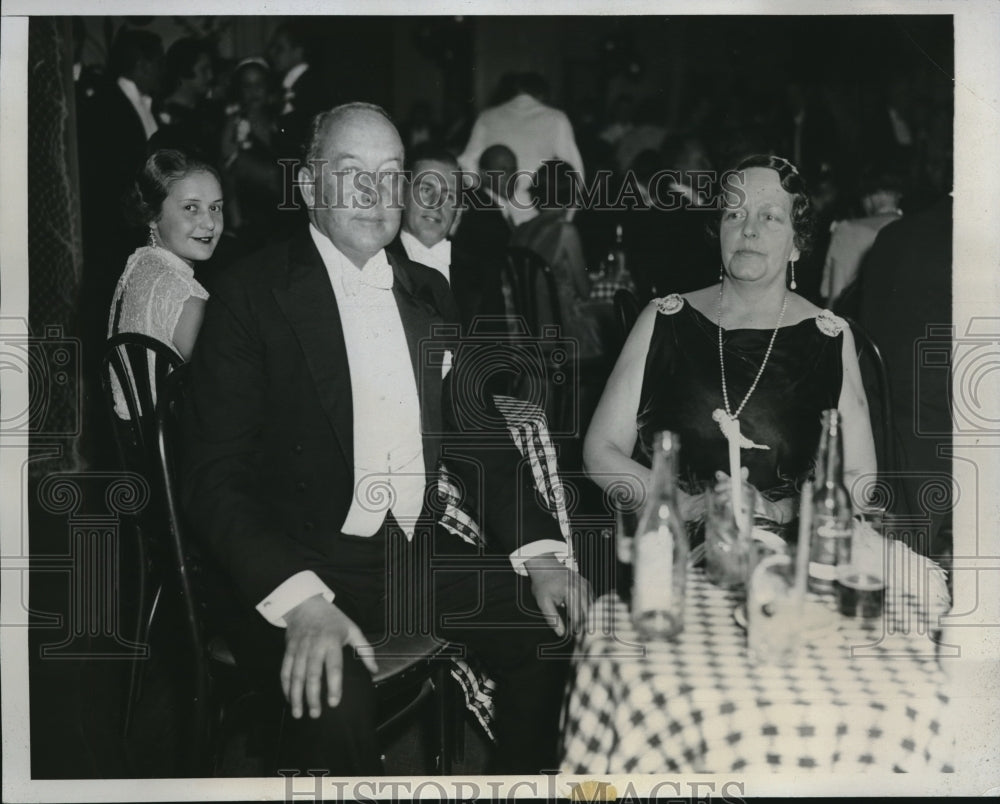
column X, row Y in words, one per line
column 125, row 114
column 310, row 306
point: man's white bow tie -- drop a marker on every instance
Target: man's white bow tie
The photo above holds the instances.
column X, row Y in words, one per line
column 378, row 275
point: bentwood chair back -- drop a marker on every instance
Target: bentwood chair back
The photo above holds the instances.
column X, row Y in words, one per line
column 527, row 274
column 138, row 365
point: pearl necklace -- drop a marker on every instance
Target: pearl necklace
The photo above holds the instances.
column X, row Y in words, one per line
column 729, row 421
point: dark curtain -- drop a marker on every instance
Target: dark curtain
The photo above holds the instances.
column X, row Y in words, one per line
column 55, row 255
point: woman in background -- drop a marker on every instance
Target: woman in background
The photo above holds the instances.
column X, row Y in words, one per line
column 250, row 170
column 189, row 119
column 553, row 237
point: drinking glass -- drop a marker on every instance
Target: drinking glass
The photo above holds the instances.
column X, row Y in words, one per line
column 773, row 612
column 859, row 593
column 727, row 541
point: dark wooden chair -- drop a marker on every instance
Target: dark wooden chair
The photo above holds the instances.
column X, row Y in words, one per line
column 138, row 364
column 526, row 272
column 875, row 376
column 412, row 669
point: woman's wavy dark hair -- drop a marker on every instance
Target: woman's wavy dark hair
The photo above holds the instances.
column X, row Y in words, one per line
column 144, row 200
column 803, row 218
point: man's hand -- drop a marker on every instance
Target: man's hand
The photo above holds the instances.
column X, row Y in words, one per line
column 555, row 586
column 314, row 643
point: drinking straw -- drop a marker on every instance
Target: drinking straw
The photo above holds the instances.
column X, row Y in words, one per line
column 805, row 531
column 736, row 480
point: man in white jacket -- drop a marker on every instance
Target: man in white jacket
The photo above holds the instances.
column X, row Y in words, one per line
column 533, row 130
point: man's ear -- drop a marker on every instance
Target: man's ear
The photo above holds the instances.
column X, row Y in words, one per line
column 307, row 186
column 454, row 224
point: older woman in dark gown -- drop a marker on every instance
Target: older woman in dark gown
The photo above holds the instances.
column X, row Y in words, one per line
column 747, row 351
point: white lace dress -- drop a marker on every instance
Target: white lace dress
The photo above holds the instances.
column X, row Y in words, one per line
column 151, row 294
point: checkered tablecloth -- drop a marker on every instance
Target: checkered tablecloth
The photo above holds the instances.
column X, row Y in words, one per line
column 604, row 289
column 858, row 698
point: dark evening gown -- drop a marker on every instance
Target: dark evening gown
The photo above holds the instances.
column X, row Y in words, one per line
column 681, row 388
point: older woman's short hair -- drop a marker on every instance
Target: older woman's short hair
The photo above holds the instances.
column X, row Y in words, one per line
column 163, row 168
column 803, row 218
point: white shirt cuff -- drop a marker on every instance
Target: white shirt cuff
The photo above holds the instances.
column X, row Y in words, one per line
column 297, row 589
column 532, row 549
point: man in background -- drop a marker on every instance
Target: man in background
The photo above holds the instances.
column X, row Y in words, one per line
column 533, row 130
column 905, row 287
column 430, row 207
column 480, row 243
column 291, row 53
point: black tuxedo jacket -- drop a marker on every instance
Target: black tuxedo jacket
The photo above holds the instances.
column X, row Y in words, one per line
column 268, row 428
column 479, row 253
column 311, row 95
column 113, row 148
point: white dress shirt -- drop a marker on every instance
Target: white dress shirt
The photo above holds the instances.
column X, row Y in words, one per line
column 437, row 256
column 288, row 82
column 388, row 447
column 143, row 105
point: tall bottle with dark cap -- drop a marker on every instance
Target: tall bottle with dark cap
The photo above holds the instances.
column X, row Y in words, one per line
column 832, row 523
column 660, row 555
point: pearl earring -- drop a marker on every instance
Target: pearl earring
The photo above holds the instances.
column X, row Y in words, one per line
column 792, row 285
column 152, row 238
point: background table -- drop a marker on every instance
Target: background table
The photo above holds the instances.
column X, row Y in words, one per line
column 856, row 698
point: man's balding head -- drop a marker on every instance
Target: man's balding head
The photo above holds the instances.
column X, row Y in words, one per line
column 351, row 179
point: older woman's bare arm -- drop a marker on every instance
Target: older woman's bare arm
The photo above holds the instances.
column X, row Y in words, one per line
column 859, row 444
column 608, row 445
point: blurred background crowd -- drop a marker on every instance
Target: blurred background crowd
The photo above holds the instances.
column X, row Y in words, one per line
column 854, row 101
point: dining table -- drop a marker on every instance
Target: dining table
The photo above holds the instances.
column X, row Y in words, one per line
column 860, row 694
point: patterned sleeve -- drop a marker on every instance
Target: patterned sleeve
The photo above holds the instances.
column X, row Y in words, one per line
column 157, row 292
column 166, row 305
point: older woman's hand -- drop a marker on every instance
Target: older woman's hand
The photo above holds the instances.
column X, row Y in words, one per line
column 780, row 511
column 693, row 507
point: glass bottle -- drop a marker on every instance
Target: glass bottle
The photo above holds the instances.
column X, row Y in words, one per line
column 620, row 269
column 660, row 552
column 624, row 548
column 832, row 522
